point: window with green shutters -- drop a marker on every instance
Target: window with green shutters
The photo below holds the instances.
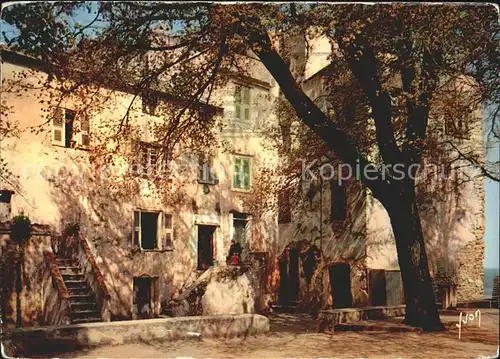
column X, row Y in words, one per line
column 242, row 106
column 242, row 173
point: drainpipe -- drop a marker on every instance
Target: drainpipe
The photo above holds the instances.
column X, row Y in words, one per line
column 321, row 215
column 321, row 225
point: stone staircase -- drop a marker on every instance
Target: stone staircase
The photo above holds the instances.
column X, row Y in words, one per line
column 83, row 304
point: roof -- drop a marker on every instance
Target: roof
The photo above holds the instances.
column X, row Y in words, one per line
column 18, row 58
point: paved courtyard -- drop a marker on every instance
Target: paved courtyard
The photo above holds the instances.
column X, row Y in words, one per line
column 295, row 336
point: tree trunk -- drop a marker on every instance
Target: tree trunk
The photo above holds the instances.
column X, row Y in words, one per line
column 421, row 309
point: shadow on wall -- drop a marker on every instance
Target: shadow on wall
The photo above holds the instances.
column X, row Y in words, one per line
column 104, row 210
column 32, row 274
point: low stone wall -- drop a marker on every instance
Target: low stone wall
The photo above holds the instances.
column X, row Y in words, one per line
column 31, row 341
column 329, row 318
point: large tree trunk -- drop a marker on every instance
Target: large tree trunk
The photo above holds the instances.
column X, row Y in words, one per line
column 421, row 309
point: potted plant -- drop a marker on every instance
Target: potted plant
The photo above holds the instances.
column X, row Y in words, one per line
column 20, row 228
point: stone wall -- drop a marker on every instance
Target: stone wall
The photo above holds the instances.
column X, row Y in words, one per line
column 33, row 266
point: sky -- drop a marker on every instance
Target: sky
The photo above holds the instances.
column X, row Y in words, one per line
column 491, row 188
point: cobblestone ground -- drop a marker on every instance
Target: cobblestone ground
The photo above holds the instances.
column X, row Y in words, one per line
column 294, row 336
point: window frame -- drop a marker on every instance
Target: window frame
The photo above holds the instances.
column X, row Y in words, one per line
column 206, row 173
column 242, row 104
column 164, row 227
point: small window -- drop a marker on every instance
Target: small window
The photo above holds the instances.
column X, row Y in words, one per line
column 150, row 104
column 242, row 106
column 64, row 129
column 205, row 171
column 242, row 173
column 152, row 159
column 338, row 201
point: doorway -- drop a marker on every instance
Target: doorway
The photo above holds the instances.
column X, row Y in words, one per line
column 340, row 283
column 143, row 304
column 289, row 276
column 205, row 246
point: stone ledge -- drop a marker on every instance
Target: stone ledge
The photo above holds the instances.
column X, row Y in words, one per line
column 376, row 326
column 25, row 340
column 330, row 317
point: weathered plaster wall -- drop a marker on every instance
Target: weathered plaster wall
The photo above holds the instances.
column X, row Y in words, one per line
column 57, row 185
column 33, row 266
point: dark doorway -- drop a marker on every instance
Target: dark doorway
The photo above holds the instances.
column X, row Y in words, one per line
column 377, row 287
column 340, row 282
column 205, row 247
column 289, row 276
column 149, row 227
column 142, row 297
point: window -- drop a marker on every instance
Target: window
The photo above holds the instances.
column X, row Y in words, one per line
column 284, row 209
column 242, row 106
column 242, row 173
column 152, row 159
column 205, row 171
column 338, row 201
column 64, row 129
column 241, row 228
column 153, row 230
column 150, row 104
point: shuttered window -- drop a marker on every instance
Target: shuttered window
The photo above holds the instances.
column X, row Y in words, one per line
column 242, row 173
column 242, row 106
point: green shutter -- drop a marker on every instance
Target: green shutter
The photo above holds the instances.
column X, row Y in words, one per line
column 237, row 179
column 246, row 173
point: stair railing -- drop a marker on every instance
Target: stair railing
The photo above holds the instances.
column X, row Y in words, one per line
column 92, row 275
column 56, row 298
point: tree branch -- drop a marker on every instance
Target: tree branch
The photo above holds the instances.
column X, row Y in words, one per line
column 343, row 146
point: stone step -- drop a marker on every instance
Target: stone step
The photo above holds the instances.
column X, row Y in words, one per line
column 86, row 320
column 73, row 277
column 83, row 306
column 85, row 313
column 65, row 262
column 75, row 283
column 69, row 270
column 79, row 290
column 82, row 298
